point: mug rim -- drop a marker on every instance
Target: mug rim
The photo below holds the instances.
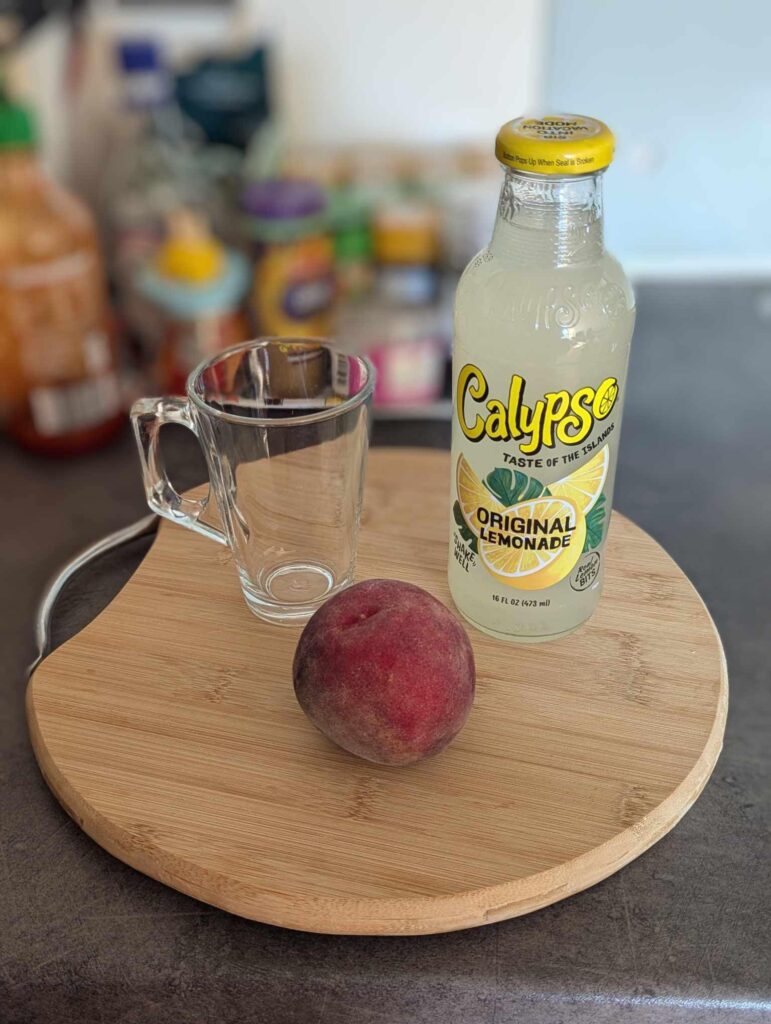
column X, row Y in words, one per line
column 352, row 402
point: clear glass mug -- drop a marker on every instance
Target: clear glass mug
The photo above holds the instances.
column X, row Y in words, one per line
column 284, row 427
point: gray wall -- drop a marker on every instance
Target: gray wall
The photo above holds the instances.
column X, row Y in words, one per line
column 686, row 86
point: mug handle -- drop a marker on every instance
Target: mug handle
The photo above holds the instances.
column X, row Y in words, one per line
column 148, row 415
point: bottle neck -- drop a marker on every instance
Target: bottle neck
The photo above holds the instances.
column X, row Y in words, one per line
column 549, row 222
column 20, row 171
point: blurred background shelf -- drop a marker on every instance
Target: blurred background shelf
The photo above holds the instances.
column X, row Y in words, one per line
column 439, row 410
column 166, row 120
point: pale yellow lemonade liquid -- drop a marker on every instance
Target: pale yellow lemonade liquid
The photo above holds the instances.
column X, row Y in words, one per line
column 543, row 323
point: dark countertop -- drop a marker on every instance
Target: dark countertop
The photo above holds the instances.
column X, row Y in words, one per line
column 681, row 934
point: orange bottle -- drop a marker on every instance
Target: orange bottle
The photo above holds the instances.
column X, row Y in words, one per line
column 59, row 386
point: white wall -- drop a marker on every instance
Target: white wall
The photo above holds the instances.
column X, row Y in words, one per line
column 404, row 70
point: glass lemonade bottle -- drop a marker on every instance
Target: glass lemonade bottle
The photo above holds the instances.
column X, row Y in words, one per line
column 543, row 323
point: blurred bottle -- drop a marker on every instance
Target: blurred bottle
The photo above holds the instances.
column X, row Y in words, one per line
column 294, row 281
column 58, row 362
column 197, row 287
column 349, row 218
column 406, row 237
column 401, row 328
column 153, row 169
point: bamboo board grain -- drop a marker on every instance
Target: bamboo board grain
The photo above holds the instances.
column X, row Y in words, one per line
column 169, row 731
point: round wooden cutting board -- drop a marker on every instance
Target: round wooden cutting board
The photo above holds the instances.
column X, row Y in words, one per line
column 169, row 731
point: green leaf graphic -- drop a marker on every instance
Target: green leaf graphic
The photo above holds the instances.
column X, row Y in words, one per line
column 509, row 488
column 534, row 490
column 463, row 527
column 595, row 524
column 499, row 484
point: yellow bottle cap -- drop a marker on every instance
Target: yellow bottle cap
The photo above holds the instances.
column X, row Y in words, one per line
column 555, row 144
column 190, row 254
column 193, row 263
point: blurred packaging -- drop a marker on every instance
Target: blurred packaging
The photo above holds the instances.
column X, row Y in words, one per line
column 196, row 287
column 407, row 346
column 227, row 96
column 401, row 325
column 392, row 212
column 294, row 275
column 153, row 169
column 58, row 362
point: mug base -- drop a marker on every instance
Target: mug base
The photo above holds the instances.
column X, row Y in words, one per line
column 291, row 593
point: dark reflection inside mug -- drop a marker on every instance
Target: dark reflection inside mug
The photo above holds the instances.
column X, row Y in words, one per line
column 285, row 379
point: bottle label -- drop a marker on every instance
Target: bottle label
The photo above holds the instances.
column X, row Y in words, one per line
column 50, row 273
column 532, row 484
column 68, row 408
column 53, row 312
column 294, row 288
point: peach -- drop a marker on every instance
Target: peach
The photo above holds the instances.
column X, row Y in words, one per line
column 385, row 671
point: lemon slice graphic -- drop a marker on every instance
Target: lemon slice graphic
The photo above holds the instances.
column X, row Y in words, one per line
column 585, row 485
column 473, row 495
column 537, row 544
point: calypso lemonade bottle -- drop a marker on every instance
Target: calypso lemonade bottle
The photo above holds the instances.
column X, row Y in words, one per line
column 543, row 322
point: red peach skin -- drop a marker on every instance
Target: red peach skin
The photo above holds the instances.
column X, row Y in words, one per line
column 385, row 671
